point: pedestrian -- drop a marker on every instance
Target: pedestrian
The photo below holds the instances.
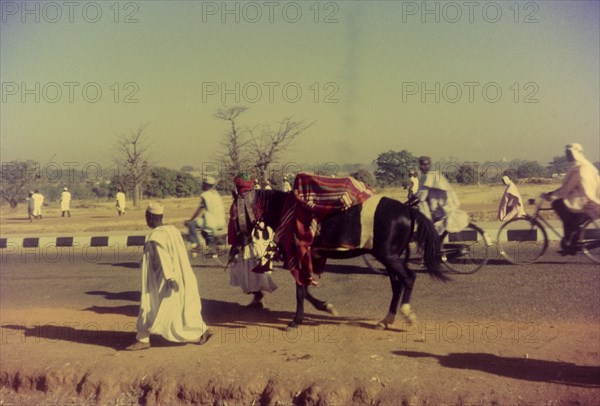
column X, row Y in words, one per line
column 251, row 259
column 170, row 303
column 268, row 185
column 511, row 203
column 30, row 206
column 286, row 184
column 120, row 202
column 65, row 202
column 38, row 202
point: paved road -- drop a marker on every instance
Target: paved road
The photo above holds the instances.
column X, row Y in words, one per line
column 555, row 287
column 476, row 331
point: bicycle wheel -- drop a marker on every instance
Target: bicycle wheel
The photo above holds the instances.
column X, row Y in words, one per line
column 589, row 238
column 465, row 252
column 522, row 240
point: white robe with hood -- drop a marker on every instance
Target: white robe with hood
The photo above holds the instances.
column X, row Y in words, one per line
column 581, row 187
column 511, row 203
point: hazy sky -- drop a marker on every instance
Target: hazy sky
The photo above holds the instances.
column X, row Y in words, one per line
column 476, row 80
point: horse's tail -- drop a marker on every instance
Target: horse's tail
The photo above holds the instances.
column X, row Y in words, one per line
column 429, row 243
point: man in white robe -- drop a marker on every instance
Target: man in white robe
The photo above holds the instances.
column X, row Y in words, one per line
column 438, row 201
column 120, row 202
column 578, row 199
column 65, row 202
column 170, row 302
column 38, row 202
column 511, row 203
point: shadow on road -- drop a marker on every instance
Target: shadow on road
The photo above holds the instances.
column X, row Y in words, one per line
column 518, row 368
column 231, row 315
column 128, row 310
column 91, row 333
column 132, row 295
column 129, row 265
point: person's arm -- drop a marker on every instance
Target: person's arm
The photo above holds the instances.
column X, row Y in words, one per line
column 199, row 210
column 161, row 260
column 572, row 181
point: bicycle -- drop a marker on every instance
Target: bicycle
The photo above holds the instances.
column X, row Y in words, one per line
column 464, row 252
column 467, row 251
column 212, row 246
column 524, row 240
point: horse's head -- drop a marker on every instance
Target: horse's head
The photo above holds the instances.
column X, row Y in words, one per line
column 268, row 206
column 252, row 207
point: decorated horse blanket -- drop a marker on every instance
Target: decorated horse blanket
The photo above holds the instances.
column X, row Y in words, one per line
column 313, row 200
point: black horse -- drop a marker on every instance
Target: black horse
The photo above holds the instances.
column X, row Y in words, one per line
column 393, row 227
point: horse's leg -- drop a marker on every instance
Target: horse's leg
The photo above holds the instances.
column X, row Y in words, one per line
column 395, row 270
column 299, row 317
column 409, row 316
column 320, row 305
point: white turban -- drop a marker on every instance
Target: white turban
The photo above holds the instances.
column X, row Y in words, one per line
column 156, row 208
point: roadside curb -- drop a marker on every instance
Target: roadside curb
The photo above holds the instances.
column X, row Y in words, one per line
column 138, row 239
column 135, row 240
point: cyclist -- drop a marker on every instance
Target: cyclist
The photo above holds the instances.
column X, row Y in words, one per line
column 209, row 217
column 578, row 199
column 438, row 201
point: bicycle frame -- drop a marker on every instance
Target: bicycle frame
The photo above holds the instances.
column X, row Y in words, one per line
column 543, row 222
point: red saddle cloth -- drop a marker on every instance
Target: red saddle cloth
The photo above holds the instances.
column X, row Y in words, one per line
column 312, row 199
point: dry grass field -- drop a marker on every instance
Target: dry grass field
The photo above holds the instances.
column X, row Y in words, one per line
column 101, row 216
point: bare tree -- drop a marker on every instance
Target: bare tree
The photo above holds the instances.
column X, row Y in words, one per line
column 235, row 141
column 269, row 143
column 132, row 158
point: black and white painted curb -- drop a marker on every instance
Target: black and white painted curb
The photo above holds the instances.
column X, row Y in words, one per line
column 136, row 240
column 139, row 239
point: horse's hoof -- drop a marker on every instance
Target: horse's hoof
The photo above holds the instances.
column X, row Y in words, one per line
column 410, row 318
column 381, row 326
column 291, row 326
column 331, row 309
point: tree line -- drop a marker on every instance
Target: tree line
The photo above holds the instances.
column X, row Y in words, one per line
column 393, row 169
column 250, row 150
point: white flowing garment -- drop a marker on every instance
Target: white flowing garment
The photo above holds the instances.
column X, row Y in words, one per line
column 65, row 201
column 38, row 201
column 251, row 256
column 511, row 203
column 581, row 187
column 439, row 203
column 174, row 315
column 120, row 201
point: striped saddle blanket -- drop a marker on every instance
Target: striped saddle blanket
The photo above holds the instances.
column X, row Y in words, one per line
column 313, row 198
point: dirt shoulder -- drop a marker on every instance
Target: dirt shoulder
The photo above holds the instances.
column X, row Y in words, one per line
column 69, row 354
